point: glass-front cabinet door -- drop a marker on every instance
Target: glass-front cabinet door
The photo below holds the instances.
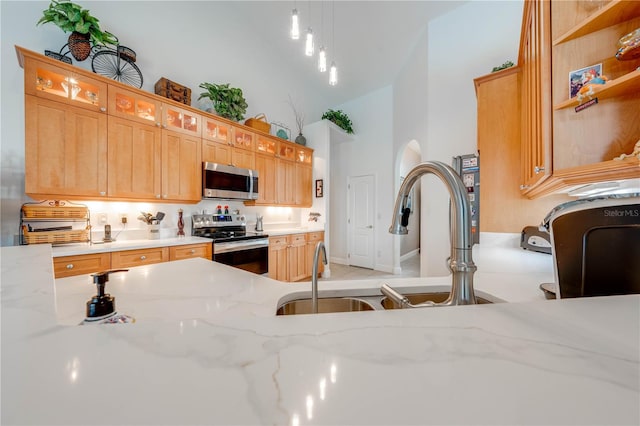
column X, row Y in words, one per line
column 266, row 145
column 64, row 85
column 216, row 131
column 286, row 151
column 133, row 106
column 243, row 139
column 181, row 120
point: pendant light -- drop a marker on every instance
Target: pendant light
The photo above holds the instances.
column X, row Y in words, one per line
column 333, row 71
column 308, row 46
column 322, row 60
column 295, row 26
column 322, row 54
column 333, row 74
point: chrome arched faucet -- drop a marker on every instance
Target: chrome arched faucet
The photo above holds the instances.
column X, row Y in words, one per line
column 314, row 275
column 461, row 263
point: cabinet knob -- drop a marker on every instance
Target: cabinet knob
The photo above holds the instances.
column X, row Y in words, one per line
column 523, row 187
column 157, row 195
column 143, row 257
column 538, row 169
column 165, row 196
column 103, row 193
column 164, row 126
column 192, row 251
column 103, row 109
column 70, row 266
column 158, row 124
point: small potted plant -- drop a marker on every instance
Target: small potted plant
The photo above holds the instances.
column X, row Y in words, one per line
column 340, row 119
column 83, row 27
column 228, row 102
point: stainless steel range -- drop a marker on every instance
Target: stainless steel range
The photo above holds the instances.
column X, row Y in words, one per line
column 232, row 244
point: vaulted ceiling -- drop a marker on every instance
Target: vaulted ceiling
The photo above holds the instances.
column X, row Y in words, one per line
column 372, row 38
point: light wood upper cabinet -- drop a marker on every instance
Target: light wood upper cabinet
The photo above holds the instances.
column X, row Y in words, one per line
column 181, row 167
column 285, row 182
column 583, row 142
column 216, row 131
column 181, row 120
column 134, row 106
column 63, row 83
column 90, row 137
column 65, row 150
column 266, row 167
column 535, row 64
column 135, row 161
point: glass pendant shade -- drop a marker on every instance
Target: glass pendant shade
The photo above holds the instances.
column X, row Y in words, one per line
column 333, row 74
column 308, row 46
column 322, row 60
column 295, row 27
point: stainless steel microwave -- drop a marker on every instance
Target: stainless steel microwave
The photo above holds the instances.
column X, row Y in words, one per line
column 229, row 182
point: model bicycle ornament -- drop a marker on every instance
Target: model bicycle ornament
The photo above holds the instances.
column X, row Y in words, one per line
column 116, row 63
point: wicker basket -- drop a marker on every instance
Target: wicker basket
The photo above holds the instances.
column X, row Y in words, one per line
column 56, row 237
column 54, row 212
column 259, row 122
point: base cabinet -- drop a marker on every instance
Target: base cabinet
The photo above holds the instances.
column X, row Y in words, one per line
column 67, row 266
column 291, row 256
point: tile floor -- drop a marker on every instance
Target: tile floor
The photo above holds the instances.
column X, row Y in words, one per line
column 410, row 268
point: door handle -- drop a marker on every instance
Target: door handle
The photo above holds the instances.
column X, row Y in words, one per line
column 370, row 227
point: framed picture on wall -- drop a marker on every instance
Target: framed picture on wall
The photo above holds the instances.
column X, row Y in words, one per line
column 319, row 188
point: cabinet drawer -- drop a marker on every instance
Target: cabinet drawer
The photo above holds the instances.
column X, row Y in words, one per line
column 189, row 251
column 68, row 266
column 314, row 237
column 129, row 258
column 297, row 239
column 278, row 242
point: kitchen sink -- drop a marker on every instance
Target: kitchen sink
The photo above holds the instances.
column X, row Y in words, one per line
column 325, row 305
column 416, row 298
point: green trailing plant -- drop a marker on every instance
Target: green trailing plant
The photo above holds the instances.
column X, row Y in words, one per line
column 339, row 118
column 70, row 17
column 228, row 101
column 507, row 64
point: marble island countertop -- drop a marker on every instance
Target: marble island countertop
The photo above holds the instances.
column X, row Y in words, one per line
column 207, row 348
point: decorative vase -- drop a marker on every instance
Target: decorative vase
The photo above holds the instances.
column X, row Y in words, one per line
column 180, row 224
column 301, row 140
column 79, row 45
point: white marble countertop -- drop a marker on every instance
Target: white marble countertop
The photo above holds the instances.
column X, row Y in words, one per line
column 120, row 245
column 207, row 349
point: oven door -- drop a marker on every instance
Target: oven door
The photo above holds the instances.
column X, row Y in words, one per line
column 249, row 255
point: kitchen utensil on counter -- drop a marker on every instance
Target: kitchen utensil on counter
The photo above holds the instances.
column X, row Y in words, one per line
column 160, row 216
column 549, row 290
column 534, row 239
column 259, row 223
column 101, row 308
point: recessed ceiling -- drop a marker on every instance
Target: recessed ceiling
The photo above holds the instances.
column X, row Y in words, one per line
column 373, row 39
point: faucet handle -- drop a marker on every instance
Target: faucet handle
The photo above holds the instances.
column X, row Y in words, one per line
column 399, row 299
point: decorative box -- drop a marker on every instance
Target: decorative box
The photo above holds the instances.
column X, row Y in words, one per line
column 172, row 90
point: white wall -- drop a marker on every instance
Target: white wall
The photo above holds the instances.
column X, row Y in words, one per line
column 369, row 154
column 187, row 42
column 435, row 103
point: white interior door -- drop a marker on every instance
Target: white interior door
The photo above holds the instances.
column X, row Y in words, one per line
column 361, row 221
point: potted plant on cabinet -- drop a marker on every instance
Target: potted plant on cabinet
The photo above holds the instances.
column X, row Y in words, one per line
column 340, row 119
column 84, row 28
column 228, row 102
